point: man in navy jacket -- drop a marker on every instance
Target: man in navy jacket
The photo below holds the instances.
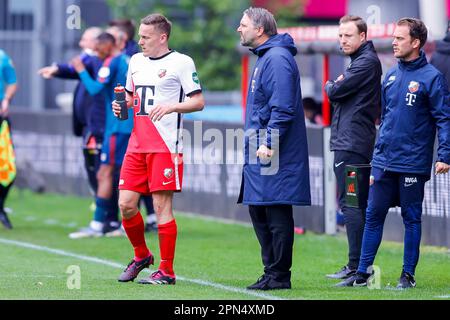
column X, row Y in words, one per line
column 276, row 171
column 415, row 102
column 356, row 96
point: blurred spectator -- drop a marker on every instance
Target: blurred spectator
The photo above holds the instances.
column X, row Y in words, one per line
column 312, row 112
column 117, row 133
column 441, row 57
column 88, row 114
column 8, row 88
column 120, row 37
column 127, row 26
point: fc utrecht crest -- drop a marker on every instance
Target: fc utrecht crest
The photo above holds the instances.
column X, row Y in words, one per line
column 413, row 86
column 168, row 173
column 162, row 73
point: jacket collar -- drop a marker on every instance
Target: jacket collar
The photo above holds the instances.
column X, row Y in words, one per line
column 365, row 47
column 414, row 64
column 278, row 40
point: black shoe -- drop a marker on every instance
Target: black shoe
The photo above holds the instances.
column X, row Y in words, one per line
column 5, row 221
column 258, row 284
column 344, row 273
column 406, row 281
column 357, row 280
column 132, row 270
column 266, row 282
column 151, row 227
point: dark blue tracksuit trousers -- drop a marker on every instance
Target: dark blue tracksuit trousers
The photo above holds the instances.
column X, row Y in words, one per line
column 391, row 189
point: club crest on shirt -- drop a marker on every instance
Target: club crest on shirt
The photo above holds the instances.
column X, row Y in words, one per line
column 168, row 173
column 413, row 86
column 162, row 73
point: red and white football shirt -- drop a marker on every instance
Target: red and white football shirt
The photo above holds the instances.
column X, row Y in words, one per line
column 161, row 81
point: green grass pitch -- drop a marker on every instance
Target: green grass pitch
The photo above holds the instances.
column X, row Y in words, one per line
column 214, row 260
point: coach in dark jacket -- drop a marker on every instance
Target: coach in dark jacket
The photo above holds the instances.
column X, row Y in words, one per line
column 356, row 99
column 276, row 172
column 441, row 57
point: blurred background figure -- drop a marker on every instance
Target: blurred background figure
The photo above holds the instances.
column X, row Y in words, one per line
column 312, row 112
column 441, row 57
column 8, row 88
column 127, row 26
column 88, row 112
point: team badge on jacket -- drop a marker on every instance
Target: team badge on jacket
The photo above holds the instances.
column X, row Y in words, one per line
column 413, row 86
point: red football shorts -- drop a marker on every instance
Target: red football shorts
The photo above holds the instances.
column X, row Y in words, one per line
column 149, row 172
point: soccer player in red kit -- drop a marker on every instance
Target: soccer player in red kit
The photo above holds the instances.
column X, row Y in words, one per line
column 158, row 80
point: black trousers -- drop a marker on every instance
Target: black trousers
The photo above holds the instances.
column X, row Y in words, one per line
column 274, row 228
column 354, row 218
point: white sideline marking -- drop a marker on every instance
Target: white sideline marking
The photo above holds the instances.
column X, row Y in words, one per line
column 443, row 297
column 120, row 266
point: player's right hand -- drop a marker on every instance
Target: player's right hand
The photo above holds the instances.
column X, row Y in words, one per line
column 115, row 108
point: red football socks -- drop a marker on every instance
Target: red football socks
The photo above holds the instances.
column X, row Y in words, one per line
column 167, row 239
column 134, row 228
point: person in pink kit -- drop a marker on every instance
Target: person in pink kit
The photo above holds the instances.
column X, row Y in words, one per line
column 158, row 81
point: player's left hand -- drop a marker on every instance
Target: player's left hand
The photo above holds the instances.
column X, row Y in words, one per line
column 160, row 111
column 77, row 64
column 264, row 152
column 441, row 167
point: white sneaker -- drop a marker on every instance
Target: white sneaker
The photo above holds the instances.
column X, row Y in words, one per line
column 93, row 231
